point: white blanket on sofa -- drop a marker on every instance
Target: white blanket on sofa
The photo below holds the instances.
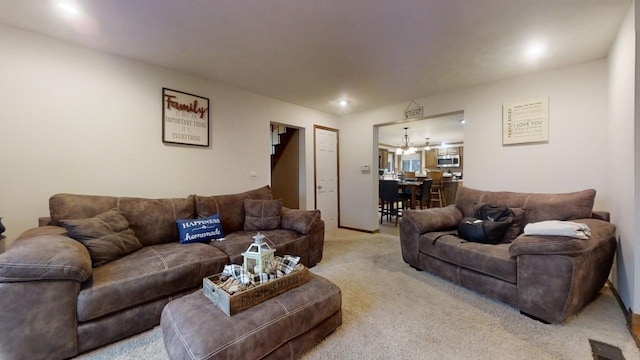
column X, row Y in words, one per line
column 558, row 228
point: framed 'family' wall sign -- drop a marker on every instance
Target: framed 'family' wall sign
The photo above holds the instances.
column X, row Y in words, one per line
column 525, row 122
column 185, row 118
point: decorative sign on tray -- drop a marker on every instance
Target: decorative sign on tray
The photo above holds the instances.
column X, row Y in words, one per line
column 525, row 122
column 185, row 118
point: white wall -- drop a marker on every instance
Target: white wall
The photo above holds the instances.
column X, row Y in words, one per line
column 573, row 159
column 81, row 121
column 622, row 133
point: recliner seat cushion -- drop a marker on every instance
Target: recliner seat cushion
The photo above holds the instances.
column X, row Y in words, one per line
column 493, row 260
column 149, row 273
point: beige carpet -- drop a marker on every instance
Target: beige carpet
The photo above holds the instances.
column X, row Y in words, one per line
column 391, row 311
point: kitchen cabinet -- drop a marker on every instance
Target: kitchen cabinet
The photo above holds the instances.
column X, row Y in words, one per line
column 430, row 160
column 449, row 151
column 383, row 155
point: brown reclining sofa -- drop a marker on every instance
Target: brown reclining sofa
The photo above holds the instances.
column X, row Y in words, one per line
column 55, row 304
column 546, row 277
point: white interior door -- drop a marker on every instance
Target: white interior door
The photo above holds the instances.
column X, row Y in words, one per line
column 326, row 165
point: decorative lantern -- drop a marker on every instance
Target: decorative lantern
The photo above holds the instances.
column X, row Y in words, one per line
column 258, row 255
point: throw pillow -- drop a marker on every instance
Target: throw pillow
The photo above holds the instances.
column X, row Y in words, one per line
column 262, row 214
column 107, row 236
column 200, row 230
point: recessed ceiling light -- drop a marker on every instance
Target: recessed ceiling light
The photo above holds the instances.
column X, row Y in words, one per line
column 343, row 102
column 463, row 121
column 535, row 50
column 68, row 8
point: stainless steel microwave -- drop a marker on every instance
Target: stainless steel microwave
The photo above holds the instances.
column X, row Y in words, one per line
column 448, row 160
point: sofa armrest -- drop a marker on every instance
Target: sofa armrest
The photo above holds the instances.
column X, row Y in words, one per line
column 415, row 223
column 434, row 219
column 558, row 275
column 602, row 232
column 45, row 253
column 299, row 220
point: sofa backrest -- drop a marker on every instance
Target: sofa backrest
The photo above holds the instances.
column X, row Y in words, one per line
column 152, row 220
column 537, row 207
column 230, row 207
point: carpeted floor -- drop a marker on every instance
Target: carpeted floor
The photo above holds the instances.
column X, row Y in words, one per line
column 391, row 311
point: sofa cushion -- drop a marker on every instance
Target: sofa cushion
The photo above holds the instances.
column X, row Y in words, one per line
column 467, row 199
column 107, row 236
column 152, row 220
column 493, row 260
column 72, row 206
column 262, row 214
column 538, row 207
column 200, row 230
column 562, row 245
column 230, row 207
column 517, row 224
column 568, row 206
column 285, row 242
column 145, row 275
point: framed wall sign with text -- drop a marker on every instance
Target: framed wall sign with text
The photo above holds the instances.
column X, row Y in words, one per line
column 185, row 118
column 525, row 122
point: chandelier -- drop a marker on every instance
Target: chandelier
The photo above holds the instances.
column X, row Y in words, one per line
column 406, row 149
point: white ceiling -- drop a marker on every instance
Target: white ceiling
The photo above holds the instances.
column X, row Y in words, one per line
column 315, row 52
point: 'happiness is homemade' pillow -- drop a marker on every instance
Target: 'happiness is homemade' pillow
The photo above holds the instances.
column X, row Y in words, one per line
column 200, row 230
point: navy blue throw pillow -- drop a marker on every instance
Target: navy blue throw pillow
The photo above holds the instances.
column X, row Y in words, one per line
column 200, row 230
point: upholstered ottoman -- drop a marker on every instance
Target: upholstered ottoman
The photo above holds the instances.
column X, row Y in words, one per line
column 282, row 327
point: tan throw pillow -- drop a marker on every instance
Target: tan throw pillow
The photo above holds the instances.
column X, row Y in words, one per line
column 107, row 236
column 262, row 214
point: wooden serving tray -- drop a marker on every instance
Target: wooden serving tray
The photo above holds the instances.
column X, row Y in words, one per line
column 240, row 301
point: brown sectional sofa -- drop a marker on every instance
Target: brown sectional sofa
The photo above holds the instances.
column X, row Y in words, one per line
column 546, row 277
column 56, row 305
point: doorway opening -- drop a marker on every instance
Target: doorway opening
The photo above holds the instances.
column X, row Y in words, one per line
column 409, row 150
column 287, row 165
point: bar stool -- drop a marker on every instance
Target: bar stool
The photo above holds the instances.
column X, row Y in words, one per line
column 424, row 196
column 436, row 189
column 389, row 198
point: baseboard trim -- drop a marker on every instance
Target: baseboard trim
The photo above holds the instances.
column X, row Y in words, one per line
column 633, row 320
column 360, row 230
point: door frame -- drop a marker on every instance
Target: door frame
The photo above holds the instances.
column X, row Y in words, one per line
column 315, row 168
